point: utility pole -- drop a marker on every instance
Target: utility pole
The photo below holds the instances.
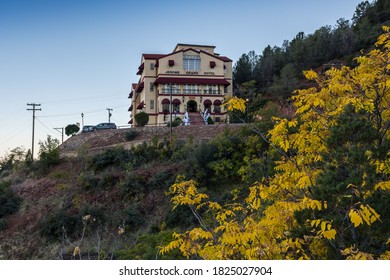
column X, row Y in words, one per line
column 62, row 132
column 170, row 109
column 34, row 108
column 109, row 114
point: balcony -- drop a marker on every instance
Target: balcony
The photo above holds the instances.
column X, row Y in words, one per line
column 191, row 91
column 212, row 91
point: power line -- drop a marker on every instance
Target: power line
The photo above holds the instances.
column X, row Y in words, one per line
column 62, row 132
column 21, row 129
column 34, row 108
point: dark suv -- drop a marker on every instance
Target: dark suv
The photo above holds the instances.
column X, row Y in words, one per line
column 102, row 126
column 88, row 128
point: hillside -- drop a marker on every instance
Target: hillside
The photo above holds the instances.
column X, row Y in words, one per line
column 120, row 184
column 98, row 140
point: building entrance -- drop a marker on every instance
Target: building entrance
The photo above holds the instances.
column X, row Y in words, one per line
column 192, row 106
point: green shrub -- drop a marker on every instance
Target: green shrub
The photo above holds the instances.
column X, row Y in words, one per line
column 133, row 184
column 141, row 118
column 176, row 122
column 71, row 129
column 111, row 157
column 210, row 121
column 60, row 175
column 134, row 218
column 160, row 180
column 49, row 154
column 3, row 224
column 88, row 181
column 147, row 248
column 180, row 217
column 9, row 201
column 52, row 226
column 131, row 135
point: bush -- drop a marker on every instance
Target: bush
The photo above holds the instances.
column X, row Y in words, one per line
column 133, row 184
column 51, row 226
column 49, row 154
column 134, row 218
column 161, row 180
column 141, row 118
column 210, row 121
column 9, row 202
column 3, row 224
column 147, row 247
column 131, row 135
column 110, row 157
column 71, row 129
column 176, row 122
column 88, row 181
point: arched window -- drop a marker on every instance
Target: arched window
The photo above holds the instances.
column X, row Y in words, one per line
column 165, row 105
column 207, row 105
column 217, row 106
column 176, row 105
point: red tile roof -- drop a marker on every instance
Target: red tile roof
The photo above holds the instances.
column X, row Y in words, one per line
column 192, row 81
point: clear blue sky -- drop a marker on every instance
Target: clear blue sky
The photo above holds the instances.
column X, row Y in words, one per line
column 81, row 56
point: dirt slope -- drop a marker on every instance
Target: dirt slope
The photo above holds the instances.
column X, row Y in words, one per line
column 99, row 140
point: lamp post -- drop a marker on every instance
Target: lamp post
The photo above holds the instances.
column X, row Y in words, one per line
column 247, row 111
column 170, row 110
column 82, row 120
column 109, row 114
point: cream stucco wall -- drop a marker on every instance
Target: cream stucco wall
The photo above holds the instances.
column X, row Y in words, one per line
column 222, row 70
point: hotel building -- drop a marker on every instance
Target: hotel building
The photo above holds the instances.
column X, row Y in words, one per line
column 194, row 77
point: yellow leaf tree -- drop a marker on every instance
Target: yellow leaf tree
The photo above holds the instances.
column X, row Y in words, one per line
column 330, row 195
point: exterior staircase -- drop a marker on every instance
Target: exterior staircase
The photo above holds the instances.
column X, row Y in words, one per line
column 195, row 118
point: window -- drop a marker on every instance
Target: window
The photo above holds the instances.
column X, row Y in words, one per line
column 165, row 106
column 191, row 62
column 191, row 89
column 211, row 89
column 151, row 104
column 151, row 86
column 151, row 66
column 167, row 89
column 225, row 90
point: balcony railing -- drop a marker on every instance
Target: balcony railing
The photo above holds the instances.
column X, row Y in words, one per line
column 211, row 91
column 190, row 91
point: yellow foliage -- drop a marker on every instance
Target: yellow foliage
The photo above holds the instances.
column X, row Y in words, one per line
column 365, row 213
column 235, row 103
column 260, row 227
column 355, row 217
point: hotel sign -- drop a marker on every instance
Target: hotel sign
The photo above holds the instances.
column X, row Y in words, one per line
column 189, row 73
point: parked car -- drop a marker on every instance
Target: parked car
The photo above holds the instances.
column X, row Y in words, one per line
column 102, row 126
column 88, row 128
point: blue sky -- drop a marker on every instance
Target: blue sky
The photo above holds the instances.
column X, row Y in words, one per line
column 76, row 57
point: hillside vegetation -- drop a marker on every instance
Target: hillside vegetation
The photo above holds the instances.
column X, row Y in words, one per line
column 307, row 176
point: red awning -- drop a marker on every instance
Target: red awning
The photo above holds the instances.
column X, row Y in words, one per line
column 140, row 69
column 176, row 101
column 217, row 102
column 130, row 121
column 165, row 101
column 139, row 87
column 131, row 94
column 140, row 106
column 130, row 108
column 207, row 102
column 191, row 81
